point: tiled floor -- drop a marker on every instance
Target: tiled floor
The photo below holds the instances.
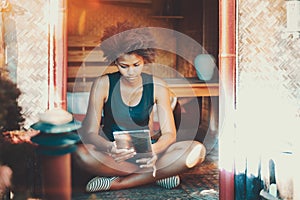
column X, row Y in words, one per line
column 201, row 182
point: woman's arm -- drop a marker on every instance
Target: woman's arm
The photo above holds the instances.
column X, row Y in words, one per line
column 165, row 116
column 91, row 124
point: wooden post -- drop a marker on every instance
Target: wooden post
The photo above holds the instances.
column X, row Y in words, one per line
column 56, row 173
column 227, row 56
column 57, row 53
column 56, row 169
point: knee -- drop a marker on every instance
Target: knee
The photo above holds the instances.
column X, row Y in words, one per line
column 82, row 157
column 78, row 157
column 196, row 154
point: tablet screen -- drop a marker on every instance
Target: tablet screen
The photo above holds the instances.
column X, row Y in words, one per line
column 139, row 140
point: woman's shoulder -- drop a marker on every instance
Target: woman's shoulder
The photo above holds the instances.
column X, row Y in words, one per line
column 108, row 76
column 100, row 87
column 101, row 82
column 103, row 79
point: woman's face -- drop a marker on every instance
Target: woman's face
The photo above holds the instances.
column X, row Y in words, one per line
column 130, row 66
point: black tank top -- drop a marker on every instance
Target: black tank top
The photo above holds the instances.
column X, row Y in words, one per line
column 119, row 116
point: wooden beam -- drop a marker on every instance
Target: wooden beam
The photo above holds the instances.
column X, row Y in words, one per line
column 227, row 56
column 90, row 71
column 86, row 56
column 86, row 41
column 57, row 54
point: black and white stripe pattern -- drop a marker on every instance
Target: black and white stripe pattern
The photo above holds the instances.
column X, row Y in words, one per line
column 169, row 182
column 99, row 184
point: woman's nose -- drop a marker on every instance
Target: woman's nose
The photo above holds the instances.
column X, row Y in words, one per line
column 130, row 70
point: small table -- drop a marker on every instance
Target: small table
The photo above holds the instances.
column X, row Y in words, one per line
column 193, row 87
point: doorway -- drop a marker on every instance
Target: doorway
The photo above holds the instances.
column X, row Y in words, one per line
column 225, row 45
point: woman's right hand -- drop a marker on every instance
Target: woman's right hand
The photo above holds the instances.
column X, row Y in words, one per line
column 120, row 155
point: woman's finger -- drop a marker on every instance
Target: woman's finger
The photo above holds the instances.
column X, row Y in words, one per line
column 148, row 164
column 120, row 155
column 115, row 150
column 154, row 171
column 121, row 158
column 154, row 158
column 148, row 161
column 143, row 160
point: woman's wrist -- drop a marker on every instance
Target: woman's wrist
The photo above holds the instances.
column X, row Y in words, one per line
column 109, row 147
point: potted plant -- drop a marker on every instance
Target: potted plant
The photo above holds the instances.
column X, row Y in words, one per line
column 17, row 155
column 10, row 112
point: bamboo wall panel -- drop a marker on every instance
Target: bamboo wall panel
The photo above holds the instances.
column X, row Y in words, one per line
column 268, row 94
column 27, row 43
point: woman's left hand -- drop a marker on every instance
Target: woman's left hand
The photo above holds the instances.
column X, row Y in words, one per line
column 148, row 163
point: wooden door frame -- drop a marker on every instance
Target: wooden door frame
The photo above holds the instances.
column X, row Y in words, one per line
column 57, row 55
column 227, row 63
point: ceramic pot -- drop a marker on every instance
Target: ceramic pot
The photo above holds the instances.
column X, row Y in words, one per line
column 205, row 65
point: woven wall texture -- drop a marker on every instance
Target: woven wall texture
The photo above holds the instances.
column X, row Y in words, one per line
column 265, row 60
column 27, row 43
column 268, row 89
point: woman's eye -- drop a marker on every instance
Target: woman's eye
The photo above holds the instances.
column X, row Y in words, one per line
column 123, row 66
column 136, row 65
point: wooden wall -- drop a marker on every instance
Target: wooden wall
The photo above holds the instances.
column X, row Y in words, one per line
column 89, row 18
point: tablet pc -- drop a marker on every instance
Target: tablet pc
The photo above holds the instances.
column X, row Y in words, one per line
column 139, row 140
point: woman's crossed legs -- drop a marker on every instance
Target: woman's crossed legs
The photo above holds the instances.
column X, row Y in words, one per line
column 179, row 157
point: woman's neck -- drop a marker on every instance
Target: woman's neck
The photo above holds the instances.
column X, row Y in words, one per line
column 133, row 84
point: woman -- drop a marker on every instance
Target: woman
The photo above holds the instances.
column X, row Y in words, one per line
column 126, row 99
